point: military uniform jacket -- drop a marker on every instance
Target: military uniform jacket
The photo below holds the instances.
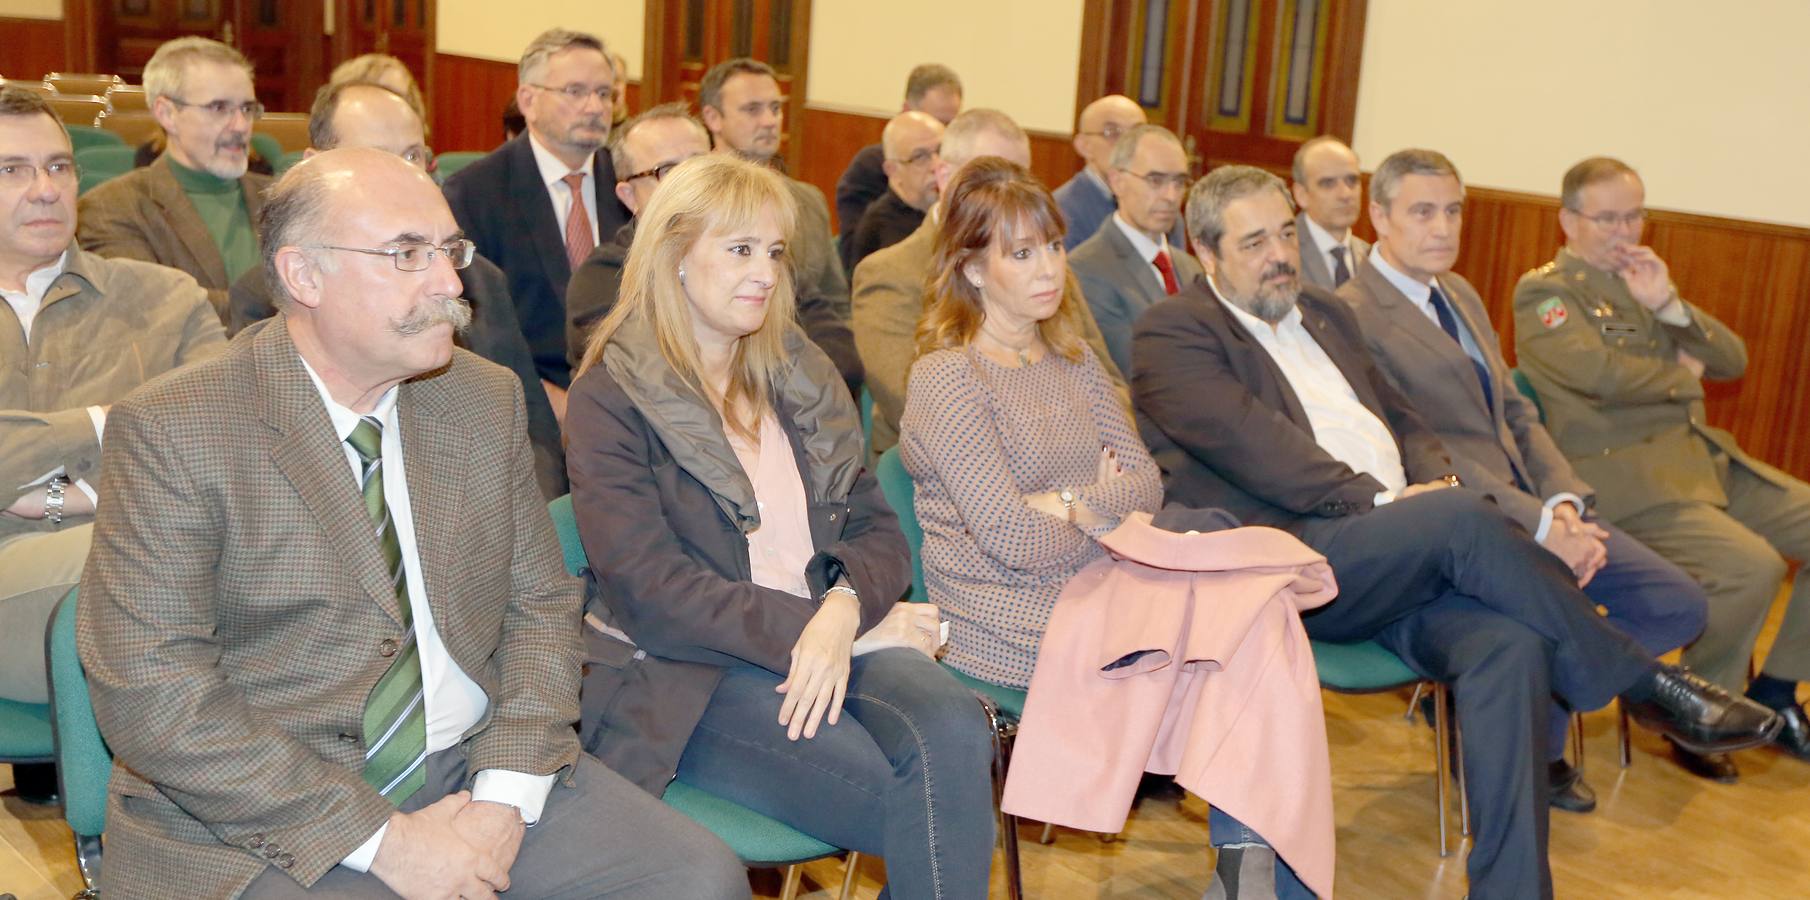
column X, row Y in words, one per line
column 1622, row 408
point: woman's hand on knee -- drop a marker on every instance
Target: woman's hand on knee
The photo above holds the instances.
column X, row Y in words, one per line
column 818, row 679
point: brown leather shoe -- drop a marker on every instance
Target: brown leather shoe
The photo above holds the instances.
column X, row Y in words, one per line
column 1717, row 767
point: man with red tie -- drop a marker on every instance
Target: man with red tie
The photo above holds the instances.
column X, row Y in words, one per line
column 1128, row 264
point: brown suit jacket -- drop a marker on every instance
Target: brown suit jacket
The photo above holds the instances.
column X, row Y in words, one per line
column 888, row 301
column 144, row 214
column 235, row 605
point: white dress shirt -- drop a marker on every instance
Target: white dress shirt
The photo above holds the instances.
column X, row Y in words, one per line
column 26, row 305
column 553, row 173
column 454, row 701
column 1342, row 425
column 1324, row 242
column 1148, row 249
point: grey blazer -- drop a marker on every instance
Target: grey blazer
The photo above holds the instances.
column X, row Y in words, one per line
column 1120, row 284
column 1313, row 256
column 1490, row 445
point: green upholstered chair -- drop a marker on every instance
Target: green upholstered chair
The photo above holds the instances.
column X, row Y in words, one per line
column 1526, row 389
column 102, row 162
column 451, row 162
column 286, row 162
column 84, row 136
column 83, row 761
column 1366, row 667
column 268, row 147
column 759, row 841
column 1003, row 705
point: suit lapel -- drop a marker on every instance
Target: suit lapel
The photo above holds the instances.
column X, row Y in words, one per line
column 1313, row 259
column 1402, row 314
column 1245, row 353
column 432, row 450
column 309, row 454
column 185, row 223
column 1342, row 356
column 1136, row 270
column 543, row 222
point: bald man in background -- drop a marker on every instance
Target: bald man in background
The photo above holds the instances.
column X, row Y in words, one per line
column 911, row 143
column 1328, row 194
column 1086, row 199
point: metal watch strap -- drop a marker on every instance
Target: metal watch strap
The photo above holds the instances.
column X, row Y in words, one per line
column 53, row 500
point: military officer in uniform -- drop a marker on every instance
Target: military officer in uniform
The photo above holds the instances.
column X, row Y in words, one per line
column 1618, row 360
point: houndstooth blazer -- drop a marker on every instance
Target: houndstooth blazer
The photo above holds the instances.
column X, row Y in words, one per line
column 235, row 611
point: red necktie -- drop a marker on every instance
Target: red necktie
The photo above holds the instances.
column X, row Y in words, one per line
column 1163, row 265
column 578, row 223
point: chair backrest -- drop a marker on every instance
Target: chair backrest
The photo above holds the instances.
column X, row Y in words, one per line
column 1526, row 389
column 565, row 522
column 451, row 162
column 286, row 162
column 289, row 129
column 81, row 137
column 77, row 109
column 83, row 761
column 128, row 98
column 132, row 127
column 36, row 87
column 896, row 484
column 267, row 147
column 82, row 82
column 101, row 163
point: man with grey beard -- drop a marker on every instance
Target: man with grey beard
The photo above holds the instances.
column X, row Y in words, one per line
column 327, row 629
column 1257, row 395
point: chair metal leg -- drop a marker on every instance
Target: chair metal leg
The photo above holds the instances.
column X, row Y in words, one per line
column 88, row 860
column 1049, row 834
column 1464, row 786
column 789, row 890
column 1420, row 687
column 1621, row 722
column 1577, row 742
column 1005, row 733
column 850, row 874
column 1440, row 760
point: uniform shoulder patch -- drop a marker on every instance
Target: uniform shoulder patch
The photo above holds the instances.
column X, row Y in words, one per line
column 1552, row 312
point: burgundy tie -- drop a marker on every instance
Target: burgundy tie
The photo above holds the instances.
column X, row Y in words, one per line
column 1163, row 265
column 578, row 223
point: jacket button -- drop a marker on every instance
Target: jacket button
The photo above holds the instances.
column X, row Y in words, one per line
column 348, row 737
column 286, row 860
column 272, row 851
column 386, row 648
column 256, row 842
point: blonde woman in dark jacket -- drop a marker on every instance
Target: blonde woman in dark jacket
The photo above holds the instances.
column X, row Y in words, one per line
column 745, row 634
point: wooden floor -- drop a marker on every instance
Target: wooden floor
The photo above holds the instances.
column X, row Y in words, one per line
column 1658, row 833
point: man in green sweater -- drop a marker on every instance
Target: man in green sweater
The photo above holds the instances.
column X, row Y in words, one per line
column 196, row 207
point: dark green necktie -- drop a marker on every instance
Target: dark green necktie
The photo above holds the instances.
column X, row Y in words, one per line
column 395, row 720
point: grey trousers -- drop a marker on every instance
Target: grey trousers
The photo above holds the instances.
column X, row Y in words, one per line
column 36, row 570
column 602, row 837
column 1738, row 554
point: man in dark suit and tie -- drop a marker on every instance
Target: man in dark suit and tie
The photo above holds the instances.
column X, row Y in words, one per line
column 1428, row 331
column 1330, row 195
column 933, row 89
column 1129, row 264
column 329, row 636
column 1257, row 395
column 537, row 205
column 1086, row 199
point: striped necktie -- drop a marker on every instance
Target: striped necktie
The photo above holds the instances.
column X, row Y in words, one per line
column 395, row 719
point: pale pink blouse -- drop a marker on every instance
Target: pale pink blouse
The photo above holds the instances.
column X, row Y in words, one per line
column 781, row 547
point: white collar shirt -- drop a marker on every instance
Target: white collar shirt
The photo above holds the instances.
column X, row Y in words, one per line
column 1324, row 242
column 1421, row 295
column 26, row 303
column 1148, row 249
column 553, row 173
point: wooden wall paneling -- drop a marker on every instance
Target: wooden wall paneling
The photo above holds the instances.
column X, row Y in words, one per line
column 32, row 49
column 466, row 97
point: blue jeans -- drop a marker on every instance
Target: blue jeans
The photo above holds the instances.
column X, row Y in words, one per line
column 905, row 774
column 1648, row 598
column 1226, row 831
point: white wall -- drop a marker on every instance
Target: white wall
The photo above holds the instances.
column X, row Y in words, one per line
column 1017, row 55
column 32, row 9
column 1707, row 100
column 499, row 29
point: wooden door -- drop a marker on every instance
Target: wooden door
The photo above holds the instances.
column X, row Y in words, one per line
column 686, row 37
column 404, row 29
column 280, row 38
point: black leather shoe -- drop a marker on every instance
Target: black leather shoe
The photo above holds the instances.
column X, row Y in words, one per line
column 36, row 783
column 1700, row 716
column 1717, row 767
column 1794, row 734
column 1566, row 789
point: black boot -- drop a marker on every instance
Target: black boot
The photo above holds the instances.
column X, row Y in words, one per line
column 1566, row 789
column 1698, row 715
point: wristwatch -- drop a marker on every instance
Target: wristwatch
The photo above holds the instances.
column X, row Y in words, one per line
column 1451, row 480
column 53, row 500
column 1067, row 496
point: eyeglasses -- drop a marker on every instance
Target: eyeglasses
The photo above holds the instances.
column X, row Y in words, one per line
column 1610, row 220
column 418, row 156
column 62, row 173
column 1109, row 131
column 657, row 173
column 223, row 109
column 923, row 156
column 416, row 256
column 578, row 92
column 1160, row 180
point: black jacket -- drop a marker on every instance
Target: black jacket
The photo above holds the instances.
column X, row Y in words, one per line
column 1228, row 431
column 504, row 208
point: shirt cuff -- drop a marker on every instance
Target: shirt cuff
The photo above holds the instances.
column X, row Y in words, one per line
column 1674, row 313
column 86, row 488
column 99, row 417
column 1577, row 502
column 527, row 793
column 360, row 860
column 1383, row 498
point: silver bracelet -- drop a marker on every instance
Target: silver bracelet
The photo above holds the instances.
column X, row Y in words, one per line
column 53, row 500
column 841, row 589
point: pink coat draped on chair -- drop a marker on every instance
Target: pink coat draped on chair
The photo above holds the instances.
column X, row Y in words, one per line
column 1214, row 683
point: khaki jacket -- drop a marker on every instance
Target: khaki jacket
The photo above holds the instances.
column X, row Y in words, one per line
column 106, row 326
column 144, row 214
column 1622, row 408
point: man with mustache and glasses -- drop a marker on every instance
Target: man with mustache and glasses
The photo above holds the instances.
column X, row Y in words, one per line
column 1126, row 268
column 1257, row 395
column 1619, row 359
column 77, row 333
column 740, row 103
column 910, row 140
column 195, row 208
column 365, row 114
column 1428, row 331
column 327, row 629
column 537, row 205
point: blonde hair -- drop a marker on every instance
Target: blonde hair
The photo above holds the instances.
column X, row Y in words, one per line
column 714, row 193
column 371, row 69
column 989, row 202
